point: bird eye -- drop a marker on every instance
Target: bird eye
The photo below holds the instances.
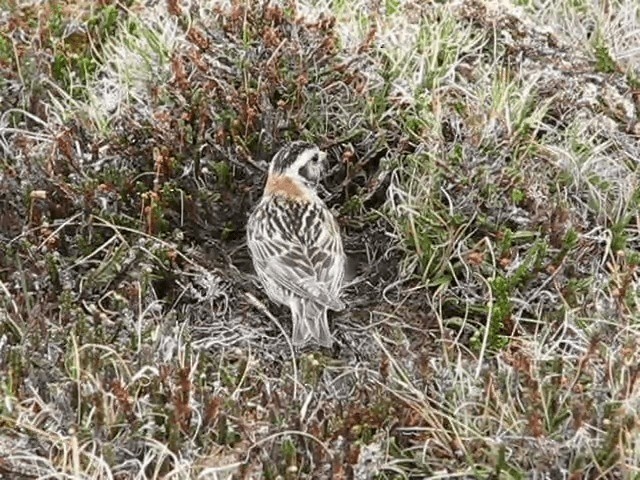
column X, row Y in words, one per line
column 315, row 158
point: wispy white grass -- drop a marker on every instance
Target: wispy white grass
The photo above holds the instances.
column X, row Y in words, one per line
column 514, row 395
column 133, row 62
column 583, row 23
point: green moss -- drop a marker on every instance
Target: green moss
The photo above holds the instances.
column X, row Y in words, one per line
column 223, row 173
column 289, row 451
column 353, row 206
column 105, row 21
column 517, row 196
column 531, row 265
column 501, row 311
column 6, row 51
column 56, row 20
column 604, row 61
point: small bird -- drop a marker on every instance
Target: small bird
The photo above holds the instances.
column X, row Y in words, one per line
column 295, row 243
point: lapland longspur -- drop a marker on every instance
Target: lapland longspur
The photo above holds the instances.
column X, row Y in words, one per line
column 295, row 242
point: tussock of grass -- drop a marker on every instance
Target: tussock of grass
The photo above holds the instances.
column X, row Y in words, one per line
column 484, row 172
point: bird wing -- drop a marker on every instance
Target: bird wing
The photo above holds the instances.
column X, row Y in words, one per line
column 327, row 254
column 306, row 269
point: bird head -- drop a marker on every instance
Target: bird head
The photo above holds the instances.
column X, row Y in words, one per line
column 301, row 160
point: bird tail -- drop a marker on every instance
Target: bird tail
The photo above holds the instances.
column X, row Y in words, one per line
column 310, row 323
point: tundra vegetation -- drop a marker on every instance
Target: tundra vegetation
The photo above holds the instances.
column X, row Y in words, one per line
column 484, row 172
